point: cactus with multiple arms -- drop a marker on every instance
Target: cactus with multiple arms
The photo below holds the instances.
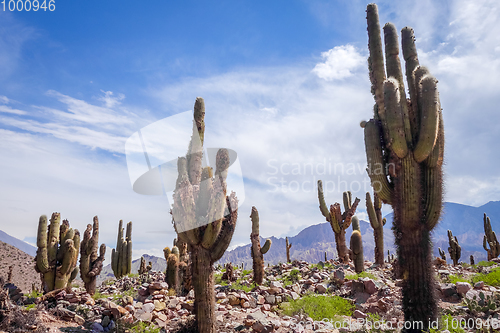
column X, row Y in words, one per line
column 288, row 246
column 338, row 221
column 374, row 210
column 442, row 254
column 404, row 148
column 257, row 251
column 121, row 257
column 490, row 238
column 454, row 249
column 204, row 217
column 90, row 262
column 57, row 253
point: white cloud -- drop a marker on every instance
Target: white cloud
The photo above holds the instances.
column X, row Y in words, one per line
column 8, row 109
column 109, row 100
column 340, row 62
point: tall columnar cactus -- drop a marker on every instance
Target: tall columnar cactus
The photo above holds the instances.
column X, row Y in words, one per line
column 374, row 210
column 257, row 251
column 454, row 249
column 182, row 246
column 442, row 254
column 90, row 262
column 172, row 272
column 471, row 259
column 490, row 238
column 121, row 257
column 288, row 246
column 404, row 148
column 357, row 251
column 57, row 253
column 339, row 221
column 204, row 217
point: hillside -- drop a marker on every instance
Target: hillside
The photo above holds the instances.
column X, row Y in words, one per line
column 310, row 244
column 23, row 246
column 23, row 272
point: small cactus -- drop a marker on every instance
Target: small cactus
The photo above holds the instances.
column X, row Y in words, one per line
column 256, row 251
column 442, row 254
column 288, row 246
column 472, row 260
column 121, row 257
column 455, row 249
column 142, row 267
column 90, row 262
column 377, row 222
column 172, row 272
column 339, row 221
column 229, row 273
column 490, row 238
column 357, row 251
column 57, row 253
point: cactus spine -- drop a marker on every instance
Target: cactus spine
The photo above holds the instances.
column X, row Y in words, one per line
column 454, row 249
column 90, row 262
column 121, row 257
column 442, row 254
column 204, row 217
column 490, row 238
column 339, row 221
column 257, row 251
column 374, row 210
column 57, row 253
column 404, row 148
column 288, row 246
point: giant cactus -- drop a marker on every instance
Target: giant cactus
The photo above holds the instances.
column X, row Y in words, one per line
column 404, row 148
column 121, row 257
column 204, row 217
column 257, row 251
column 288, row 246
column 57, row 253
column 339, row 221
column 490, row 238
column 454, row 249
column 90, row 262
column 374, row 210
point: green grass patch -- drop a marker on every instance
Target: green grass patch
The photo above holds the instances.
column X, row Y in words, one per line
column 485, row 263
column 238, row 286
column 360, row 275
column 98, row 295
column 246, row 272
column 29, row 307
column 319, row 307
column 143, row 327
column 34, row 294
column 458, row 278
column 492, row 278
column 133, row 275
column 447, row 322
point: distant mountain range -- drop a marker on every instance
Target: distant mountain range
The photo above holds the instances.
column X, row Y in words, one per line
column 23, row 246
column 311, row 243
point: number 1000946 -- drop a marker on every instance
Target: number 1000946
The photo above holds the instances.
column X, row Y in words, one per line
column 28, row 5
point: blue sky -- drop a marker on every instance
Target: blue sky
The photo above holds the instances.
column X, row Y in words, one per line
column 285, row 85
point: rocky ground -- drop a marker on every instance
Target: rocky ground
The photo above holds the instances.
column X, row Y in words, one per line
column 121, row 304
column 23, row 272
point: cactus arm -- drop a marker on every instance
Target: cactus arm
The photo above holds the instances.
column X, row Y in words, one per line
column 266, row 247
column 42, row 263
column 322, row 205
column 371, row 212
column 347, row 216
column 429, row 118
column 347, row 197
column 227, row 230
column 411, row 61
column 376, row 164
column 395, row 125
column 53, row 239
